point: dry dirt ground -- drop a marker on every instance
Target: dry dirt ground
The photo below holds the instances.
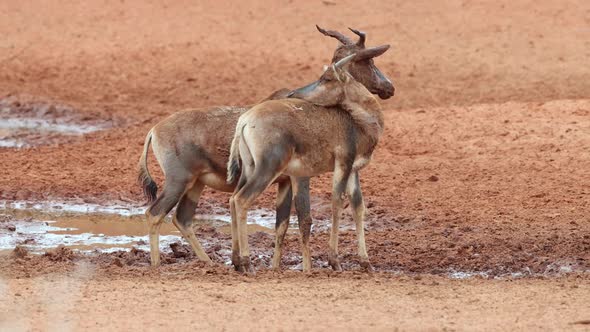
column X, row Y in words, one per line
column 484, row 165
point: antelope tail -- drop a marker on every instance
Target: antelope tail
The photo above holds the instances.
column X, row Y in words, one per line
column 149, row 186
column 233, row 165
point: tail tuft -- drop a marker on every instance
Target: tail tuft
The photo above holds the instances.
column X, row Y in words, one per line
column 233, row 170
column 149, row 186
column 233, row 164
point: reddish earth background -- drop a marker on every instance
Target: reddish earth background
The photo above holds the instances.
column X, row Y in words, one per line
column 484, row 165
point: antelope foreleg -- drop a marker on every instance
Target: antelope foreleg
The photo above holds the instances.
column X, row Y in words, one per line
column 340, row 180
column 302, row 206
column 358, row 208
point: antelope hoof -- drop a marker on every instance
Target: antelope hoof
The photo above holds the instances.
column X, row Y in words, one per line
column 335, row 263
column 366, row 265
column 276, row 264
column 306, row 269
column 235, row 261
column 245, row 266
column 155, row 260
column 307, row 265
column 206, row 259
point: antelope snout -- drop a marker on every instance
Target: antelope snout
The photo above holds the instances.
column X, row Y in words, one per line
column 386, row 91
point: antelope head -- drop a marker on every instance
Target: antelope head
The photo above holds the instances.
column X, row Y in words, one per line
column 335, row 87
column 362, row 67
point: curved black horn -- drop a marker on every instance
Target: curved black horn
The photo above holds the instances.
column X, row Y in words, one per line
column 335, row 34
column 362, row 37
column 372, row 52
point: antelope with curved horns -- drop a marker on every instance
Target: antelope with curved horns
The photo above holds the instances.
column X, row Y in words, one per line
column 192, row 148
column 334, row 126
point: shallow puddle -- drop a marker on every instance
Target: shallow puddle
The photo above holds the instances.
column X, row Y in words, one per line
column 39, row 226
column 26, row 124
column 260, row 217
column 20, row 133
column 84, row 232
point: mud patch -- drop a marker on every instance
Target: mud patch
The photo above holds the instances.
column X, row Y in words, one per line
column 25, row 122
column 116, row 236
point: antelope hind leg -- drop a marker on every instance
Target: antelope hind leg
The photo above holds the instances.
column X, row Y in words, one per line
column 283, row 212
column 183, row 219
column 235, row 235
column 235, row 243
column 242, row 200
column 154, row 223
column 158, row 210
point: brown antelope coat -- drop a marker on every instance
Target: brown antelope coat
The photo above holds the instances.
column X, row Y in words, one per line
column 192, row 148
column 300, row 138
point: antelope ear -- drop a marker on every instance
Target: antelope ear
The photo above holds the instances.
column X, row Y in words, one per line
column 370, row 53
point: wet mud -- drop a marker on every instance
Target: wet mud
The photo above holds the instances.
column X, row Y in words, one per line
column 27, row 122
column 119, row 239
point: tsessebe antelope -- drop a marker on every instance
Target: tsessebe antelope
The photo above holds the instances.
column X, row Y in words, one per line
column 192, row 148
column 335, row 128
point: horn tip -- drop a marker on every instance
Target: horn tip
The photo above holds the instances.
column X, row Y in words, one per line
column 356, row 32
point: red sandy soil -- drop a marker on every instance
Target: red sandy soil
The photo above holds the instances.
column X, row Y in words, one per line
column 65, row 291
column 483, row 166
column 196, row 298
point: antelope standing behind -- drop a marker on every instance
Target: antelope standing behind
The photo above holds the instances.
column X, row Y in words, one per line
column 304, row 138
column 192, row 148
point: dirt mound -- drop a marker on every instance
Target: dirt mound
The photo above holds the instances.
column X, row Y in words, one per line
column 20, row 252
column 61, row 254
